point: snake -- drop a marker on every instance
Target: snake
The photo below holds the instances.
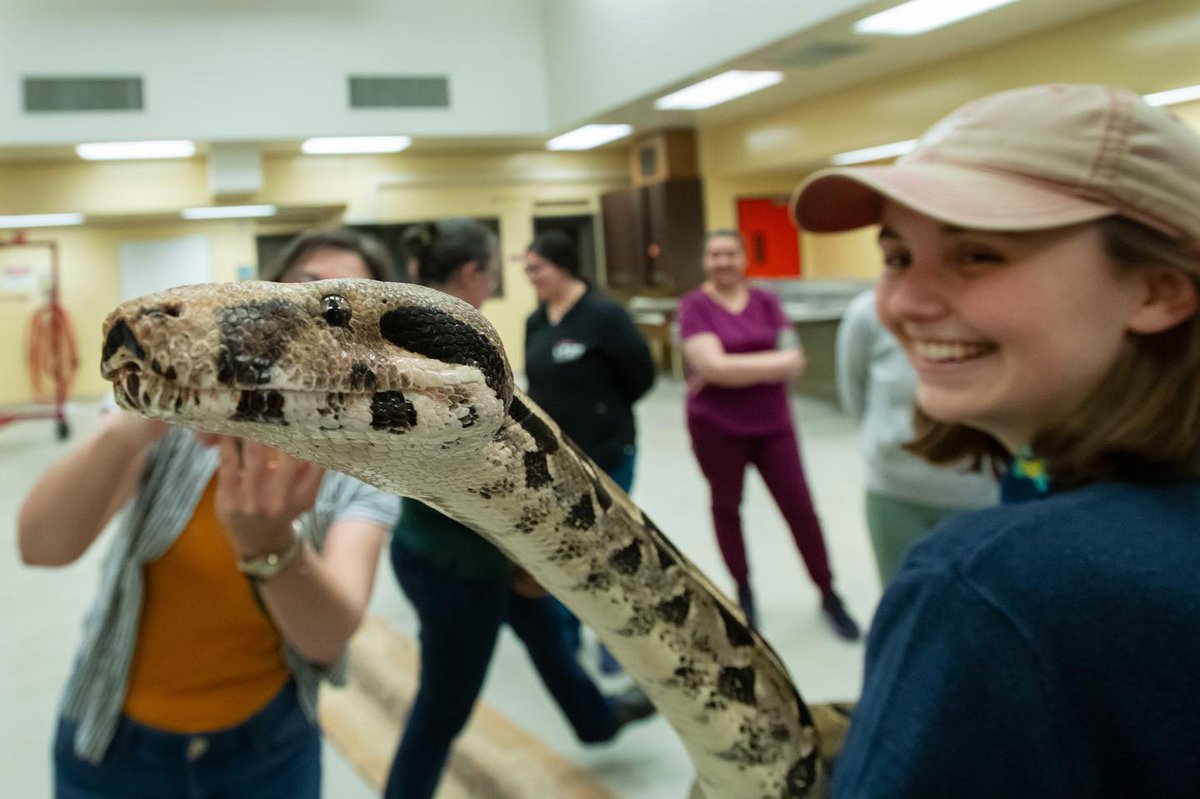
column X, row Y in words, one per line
column 409, row 389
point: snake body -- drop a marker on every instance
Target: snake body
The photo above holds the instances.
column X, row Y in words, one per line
column 409, row 390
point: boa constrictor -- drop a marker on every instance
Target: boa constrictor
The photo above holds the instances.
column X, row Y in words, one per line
column 409, row 390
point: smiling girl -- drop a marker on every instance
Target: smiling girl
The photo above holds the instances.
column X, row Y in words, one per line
column 1041, row 254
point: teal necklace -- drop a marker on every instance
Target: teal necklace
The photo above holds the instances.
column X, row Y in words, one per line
column 1030, row 469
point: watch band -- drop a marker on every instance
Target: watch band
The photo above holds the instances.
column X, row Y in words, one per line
column 261, row 568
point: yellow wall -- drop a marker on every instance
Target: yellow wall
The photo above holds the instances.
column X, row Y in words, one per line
column 128, row 202
column 90, row 285
column 770, row 154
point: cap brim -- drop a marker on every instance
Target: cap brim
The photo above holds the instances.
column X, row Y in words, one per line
column 846, row 198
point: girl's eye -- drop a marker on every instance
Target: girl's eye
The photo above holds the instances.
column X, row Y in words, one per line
column 336, row 311
column 975, row 254
column 896, row 259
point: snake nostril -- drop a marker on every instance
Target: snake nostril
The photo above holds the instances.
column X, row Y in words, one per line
column 120, row 336
column 172, row 309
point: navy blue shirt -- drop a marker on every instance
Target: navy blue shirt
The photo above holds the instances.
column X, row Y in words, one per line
column 1046, row 649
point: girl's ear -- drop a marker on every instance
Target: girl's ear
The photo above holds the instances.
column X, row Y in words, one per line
column 465, row 271
column 1170, row 298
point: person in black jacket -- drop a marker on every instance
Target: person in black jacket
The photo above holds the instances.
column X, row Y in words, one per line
column 587, row 364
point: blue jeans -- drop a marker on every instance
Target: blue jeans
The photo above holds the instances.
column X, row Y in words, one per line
column 460, row 621
column 276, row 754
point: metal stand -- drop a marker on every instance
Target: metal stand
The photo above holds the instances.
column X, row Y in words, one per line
column 61, row 369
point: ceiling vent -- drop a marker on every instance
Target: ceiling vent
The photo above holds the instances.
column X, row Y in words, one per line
column 66, row 94
column 399, row 91
column 813, row 54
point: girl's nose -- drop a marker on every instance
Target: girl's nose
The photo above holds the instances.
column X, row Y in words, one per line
column 914, row 294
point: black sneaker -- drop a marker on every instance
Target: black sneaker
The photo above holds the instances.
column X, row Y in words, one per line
column 839, row 619
column 632, row 705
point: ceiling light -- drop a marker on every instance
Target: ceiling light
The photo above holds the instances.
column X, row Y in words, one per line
column 1174, row 96
column 354, row 145
column 40, row 220
column 589, row 136
column 714, row 91
column 130, row 150
column 874, row 153
column 228, row 212
column 921, row 16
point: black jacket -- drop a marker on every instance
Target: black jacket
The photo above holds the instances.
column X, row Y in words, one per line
column 587, row 371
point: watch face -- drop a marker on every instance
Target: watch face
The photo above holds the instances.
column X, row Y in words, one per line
column 263, row 567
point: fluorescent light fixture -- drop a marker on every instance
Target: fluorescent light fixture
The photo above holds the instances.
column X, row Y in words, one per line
column 921, row 16
column 589, row 136
column 717, row 90
column 1174, row 96
column 874, row 153
column 228, row 211
column 131, row 150
column 40, row 220
column 354, row 145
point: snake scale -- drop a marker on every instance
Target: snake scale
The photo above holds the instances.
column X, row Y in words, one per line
column 409, row 390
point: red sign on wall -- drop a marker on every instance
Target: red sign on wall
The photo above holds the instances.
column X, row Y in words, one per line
column 772, row 243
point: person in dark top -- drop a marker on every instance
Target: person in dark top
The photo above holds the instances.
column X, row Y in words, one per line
column 1041, row 252
column 586, row 361
column 464, row 589
column 587, row 364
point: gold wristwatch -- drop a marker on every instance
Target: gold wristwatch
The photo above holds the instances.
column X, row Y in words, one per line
column 261, row 568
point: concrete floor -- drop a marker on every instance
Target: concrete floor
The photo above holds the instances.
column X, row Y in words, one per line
column 43, row 608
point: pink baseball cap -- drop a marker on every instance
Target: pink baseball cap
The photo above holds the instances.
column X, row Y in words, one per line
column 1028, row 159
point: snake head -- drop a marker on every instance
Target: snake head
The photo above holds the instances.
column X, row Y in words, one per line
column 340, row 362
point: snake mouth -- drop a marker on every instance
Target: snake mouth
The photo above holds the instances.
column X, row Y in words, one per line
column 158, row 396
column 150, row 394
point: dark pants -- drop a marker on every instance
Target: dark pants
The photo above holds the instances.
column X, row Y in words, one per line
column 460, row 620
column 276, row 754
column 723, row 459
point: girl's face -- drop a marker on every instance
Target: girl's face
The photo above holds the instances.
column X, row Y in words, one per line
column 327, row 263
column 1007, row 331
column 724, row 261
column 547, row 279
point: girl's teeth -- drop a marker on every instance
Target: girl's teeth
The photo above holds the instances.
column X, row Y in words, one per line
column 947, row 352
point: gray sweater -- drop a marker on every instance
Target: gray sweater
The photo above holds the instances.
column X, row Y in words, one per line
column 877, row 385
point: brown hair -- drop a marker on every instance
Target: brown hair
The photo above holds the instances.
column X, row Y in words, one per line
column 1143, row 421
column 376, row 258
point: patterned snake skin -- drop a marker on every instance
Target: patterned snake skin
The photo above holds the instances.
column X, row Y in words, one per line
column 409, row 390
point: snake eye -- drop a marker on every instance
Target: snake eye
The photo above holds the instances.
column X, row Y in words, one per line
column 336, row 311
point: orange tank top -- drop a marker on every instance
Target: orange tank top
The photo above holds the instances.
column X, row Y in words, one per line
column 207, row 656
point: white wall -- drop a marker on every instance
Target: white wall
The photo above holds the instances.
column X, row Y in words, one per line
column 603, row 53
column 224, row 70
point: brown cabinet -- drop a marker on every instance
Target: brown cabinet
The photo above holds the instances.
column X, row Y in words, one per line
column 653, row 236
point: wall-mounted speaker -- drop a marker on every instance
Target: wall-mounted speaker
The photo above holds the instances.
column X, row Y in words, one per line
column 667, row 155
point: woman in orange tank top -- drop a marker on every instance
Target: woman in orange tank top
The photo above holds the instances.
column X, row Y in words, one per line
column 235, row 579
